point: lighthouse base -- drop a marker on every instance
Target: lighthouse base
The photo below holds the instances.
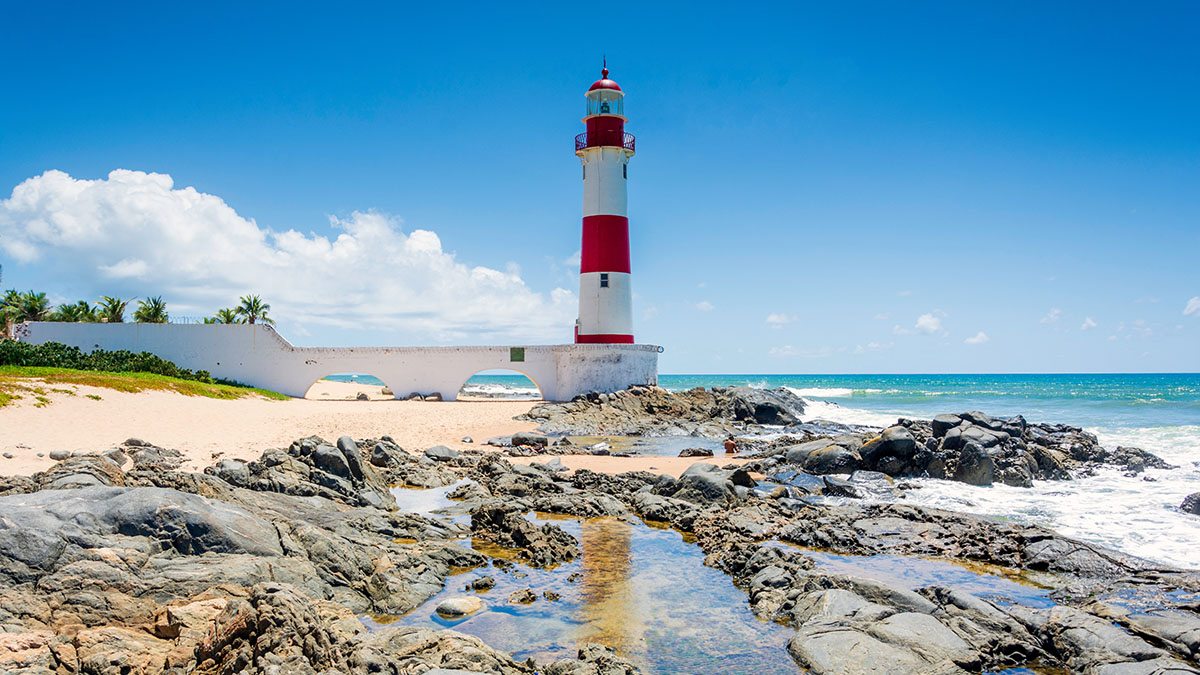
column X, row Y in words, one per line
column 256, row 355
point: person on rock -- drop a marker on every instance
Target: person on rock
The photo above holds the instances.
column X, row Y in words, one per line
column 730, row 446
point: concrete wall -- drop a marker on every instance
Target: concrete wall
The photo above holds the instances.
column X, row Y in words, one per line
column 260, row 357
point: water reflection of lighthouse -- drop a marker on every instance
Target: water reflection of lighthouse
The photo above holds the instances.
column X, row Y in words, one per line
column 608, row 594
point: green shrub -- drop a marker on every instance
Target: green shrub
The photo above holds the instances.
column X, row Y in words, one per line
column 57, row 355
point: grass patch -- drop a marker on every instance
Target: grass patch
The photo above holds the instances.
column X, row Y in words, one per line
column 94, row 397
column 15, row 380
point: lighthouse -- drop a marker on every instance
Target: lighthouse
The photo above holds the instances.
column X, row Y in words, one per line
column 605, row 291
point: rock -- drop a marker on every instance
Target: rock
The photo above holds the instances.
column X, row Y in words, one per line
column 59, row 455
column 712, row 413
column 362, row 396
column 524, row 596
column 435, row 396
column 837, row 487
column 467, row 439
column 543, row 546
column 483, row 583
column 440, row 453
column 1191, row 504
column 975, row 466
column 943, row 423
column 894, row 441
column 821, row 457
column 695, row 452
column 704, row 483
column 531, row 439
column 386, row 391
column 459, row 606
column 593, row 659
column 8, row 455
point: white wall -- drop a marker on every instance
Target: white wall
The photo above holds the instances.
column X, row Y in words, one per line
column 258, row 356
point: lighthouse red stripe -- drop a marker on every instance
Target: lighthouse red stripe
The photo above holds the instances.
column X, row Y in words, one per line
column 606, row 338
column 605, row 244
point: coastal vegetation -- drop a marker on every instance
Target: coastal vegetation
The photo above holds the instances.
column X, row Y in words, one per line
column 27, row 369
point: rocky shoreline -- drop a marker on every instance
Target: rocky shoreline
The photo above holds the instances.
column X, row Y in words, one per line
column 122, row 562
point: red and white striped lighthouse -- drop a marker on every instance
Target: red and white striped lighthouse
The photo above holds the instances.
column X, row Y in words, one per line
column 605, row 293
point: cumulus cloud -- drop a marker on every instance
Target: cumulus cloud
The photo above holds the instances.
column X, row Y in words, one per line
column 977, row 339
column 704, row 306
column 929, row 324
column 135, row 233
column 1193, row 307
column 780, row 320
column 1052, row 316
column 1088, row 324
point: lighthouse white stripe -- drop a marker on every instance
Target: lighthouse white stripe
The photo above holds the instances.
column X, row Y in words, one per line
column 605, row 310
column 604, row 182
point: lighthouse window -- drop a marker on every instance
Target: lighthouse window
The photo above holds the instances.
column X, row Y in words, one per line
column 624, row 171
column 604, row 280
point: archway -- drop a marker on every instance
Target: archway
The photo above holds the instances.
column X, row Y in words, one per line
column 349, row 387
column 500, row 384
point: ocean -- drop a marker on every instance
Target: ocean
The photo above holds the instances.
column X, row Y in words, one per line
column 1138, row 514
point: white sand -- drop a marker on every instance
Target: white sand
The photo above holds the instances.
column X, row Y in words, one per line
column 205, row 429
column 201, row 427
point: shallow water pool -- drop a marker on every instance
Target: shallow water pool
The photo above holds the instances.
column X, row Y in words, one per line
column 640, row 590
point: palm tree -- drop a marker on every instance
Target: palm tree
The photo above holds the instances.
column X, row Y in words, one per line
column 225, row 315
column 33, row 307
column 111, row 310
column 255, row 310
column 151, row 310
column 9, row 303
column 80, row 311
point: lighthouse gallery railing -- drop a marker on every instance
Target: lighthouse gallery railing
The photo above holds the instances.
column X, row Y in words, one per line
column 628, row 142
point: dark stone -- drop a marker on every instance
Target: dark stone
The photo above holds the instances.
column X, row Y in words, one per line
column 440, row 453
column 943, row 423
column 1191, row 504
column 530, row 438
column 975, row 466
column 838, row 487
column 896, row 441
column 695, row 452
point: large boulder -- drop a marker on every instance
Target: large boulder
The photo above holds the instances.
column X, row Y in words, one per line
column 975, row 466
column 1191, row 504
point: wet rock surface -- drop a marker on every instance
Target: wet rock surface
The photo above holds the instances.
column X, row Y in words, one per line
column 654, row 411
column 121, row 562
column 972, row 448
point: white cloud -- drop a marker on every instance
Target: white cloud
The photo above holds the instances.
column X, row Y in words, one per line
column 901, row 330
column 788, row 351
column 780, row 320
column 1088, row 324
column 1193, row 307
column 872, row 347
column 882, row 316
column 135, row 233
column 929, row 324
column 704, row 306
column 1052, row 316
column 573, row 261
column 977, row 339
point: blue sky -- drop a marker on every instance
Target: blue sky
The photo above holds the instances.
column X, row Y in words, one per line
column 884, row 187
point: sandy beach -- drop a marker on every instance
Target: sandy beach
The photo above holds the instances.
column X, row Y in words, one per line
column 203, row 427
column 206, row 429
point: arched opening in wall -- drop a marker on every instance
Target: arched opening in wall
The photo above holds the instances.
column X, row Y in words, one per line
column 499, row 384
column 349, row 387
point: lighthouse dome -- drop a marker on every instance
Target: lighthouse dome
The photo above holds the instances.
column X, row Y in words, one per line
column 604, row 82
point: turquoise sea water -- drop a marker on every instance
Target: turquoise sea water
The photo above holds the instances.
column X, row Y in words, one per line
column 1098, row 400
